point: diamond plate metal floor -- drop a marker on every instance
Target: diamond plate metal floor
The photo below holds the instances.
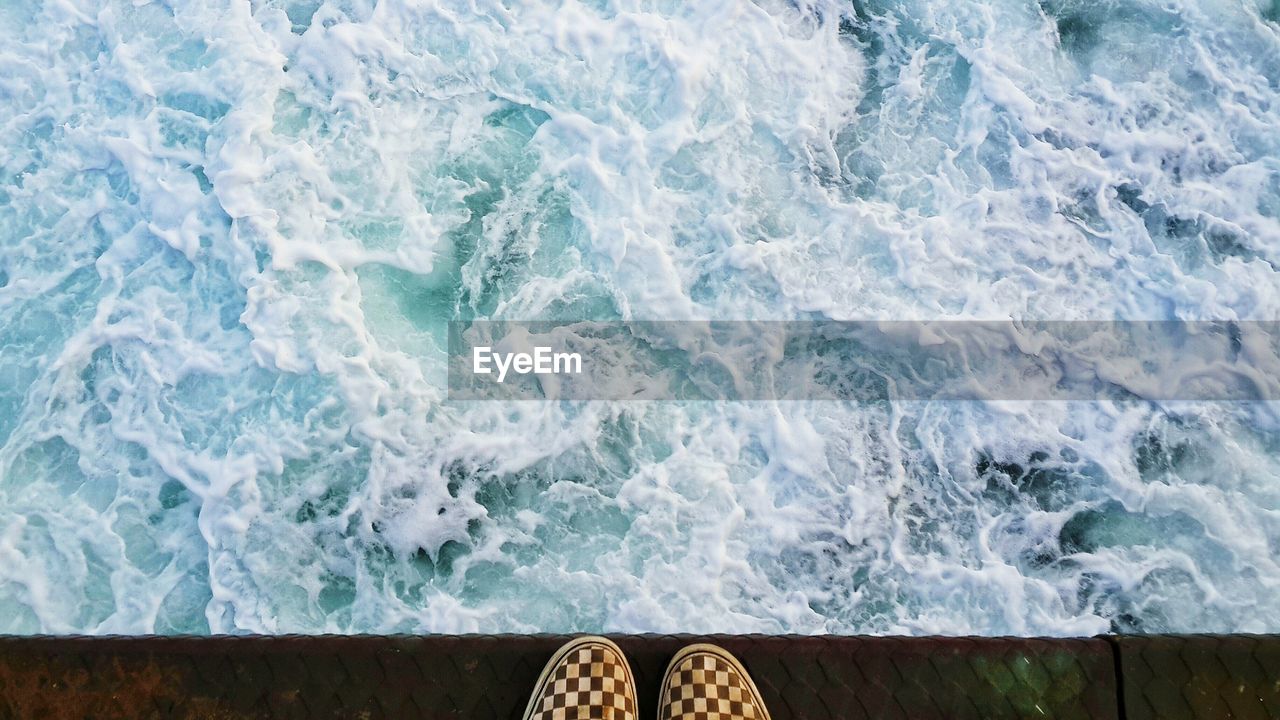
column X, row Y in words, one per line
column 1200, row 677
column 491, row 676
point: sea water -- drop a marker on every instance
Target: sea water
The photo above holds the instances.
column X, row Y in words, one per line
column 232, row 234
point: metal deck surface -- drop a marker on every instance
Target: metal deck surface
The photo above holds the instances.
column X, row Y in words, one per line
column 492, row 676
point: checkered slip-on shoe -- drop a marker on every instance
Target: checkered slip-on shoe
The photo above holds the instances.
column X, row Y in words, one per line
column 588, row 677
column 706, row 682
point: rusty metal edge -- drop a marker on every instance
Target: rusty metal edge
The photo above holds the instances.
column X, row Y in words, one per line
column 1110, row 655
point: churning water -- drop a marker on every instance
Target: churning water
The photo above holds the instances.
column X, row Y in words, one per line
column 232, row 234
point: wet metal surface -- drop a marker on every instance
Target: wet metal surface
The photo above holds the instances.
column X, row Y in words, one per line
column 491, row 676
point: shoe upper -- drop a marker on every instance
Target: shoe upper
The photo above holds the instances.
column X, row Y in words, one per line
column 590, row 681
column 708, row 686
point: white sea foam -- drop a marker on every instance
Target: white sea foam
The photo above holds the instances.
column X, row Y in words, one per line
column 231, row 235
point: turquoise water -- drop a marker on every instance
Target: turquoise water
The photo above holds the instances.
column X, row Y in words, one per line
column 232, row 234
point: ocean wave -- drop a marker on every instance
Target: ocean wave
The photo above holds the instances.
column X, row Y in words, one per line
column 232, row 235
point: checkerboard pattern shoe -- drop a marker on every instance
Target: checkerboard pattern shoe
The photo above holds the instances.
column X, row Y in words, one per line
column 588, row 677
column 706, row 682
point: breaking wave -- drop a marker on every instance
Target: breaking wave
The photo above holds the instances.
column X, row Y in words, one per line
column 232, row 234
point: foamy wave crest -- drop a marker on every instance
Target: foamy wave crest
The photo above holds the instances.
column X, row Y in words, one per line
column 232, row 236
